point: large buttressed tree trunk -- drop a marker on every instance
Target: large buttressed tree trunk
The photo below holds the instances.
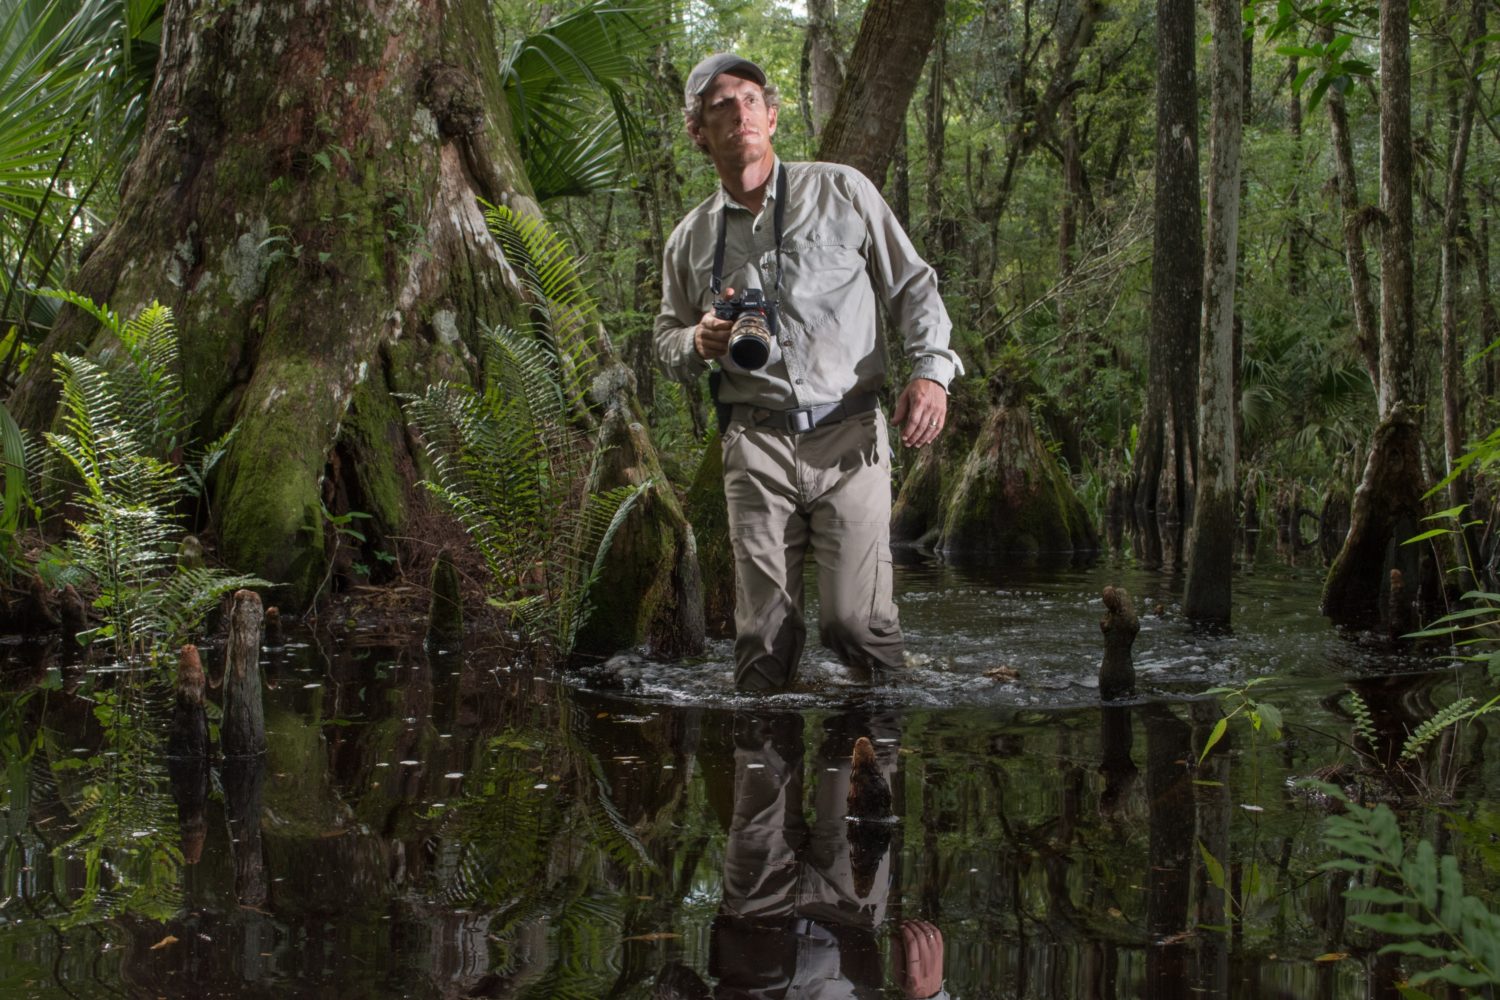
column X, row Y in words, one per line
column 306, row 200
column 1211, row 559
column 1165, row 458
column 1388, row 502
column 882, row 73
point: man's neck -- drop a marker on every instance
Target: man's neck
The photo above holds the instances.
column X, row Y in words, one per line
column 749, row 184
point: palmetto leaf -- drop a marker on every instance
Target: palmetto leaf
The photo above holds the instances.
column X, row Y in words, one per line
column 564, row 85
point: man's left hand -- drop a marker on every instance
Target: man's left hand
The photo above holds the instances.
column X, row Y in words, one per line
column 921, row 411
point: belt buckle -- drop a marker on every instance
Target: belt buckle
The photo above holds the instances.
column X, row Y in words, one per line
column 800, row 420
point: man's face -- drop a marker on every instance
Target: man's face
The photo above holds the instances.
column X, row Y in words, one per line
column 737, row 126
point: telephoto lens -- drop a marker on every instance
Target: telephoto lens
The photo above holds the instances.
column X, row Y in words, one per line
column 750, row 341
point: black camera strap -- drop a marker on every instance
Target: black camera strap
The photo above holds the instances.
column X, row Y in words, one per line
column 778, row 217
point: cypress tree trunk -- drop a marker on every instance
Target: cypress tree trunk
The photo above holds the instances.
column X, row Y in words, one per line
column 305, row 201
column 1165, row 460
column 882, row 72
column 1211, row 559
column 1388, row 503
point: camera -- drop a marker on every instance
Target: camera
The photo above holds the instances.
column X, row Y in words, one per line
column 750, row 337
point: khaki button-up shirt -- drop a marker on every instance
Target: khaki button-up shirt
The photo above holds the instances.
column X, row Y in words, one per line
column 841, row 247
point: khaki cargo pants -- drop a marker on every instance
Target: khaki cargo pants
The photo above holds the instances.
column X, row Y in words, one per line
column 828, row 493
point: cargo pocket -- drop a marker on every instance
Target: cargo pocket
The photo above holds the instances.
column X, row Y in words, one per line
column 884, row 618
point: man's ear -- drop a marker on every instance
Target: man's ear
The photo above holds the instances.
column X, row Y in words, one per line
column 771, row 118
column 693, row 133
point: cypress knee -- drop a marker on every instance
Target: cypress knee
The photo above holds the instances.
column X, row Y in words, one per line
column 1120, row 626
column 445, row 615
column 275, row 636
column 869, row 808
column 189, row 735
column 75, row 617
column 244, row 730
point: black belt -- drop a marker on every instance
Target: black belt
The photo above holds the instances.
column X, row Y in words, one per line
column 805, row 418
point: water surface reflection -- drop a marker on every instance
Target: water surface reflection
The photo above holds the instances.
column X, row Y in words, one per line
column 455, row 826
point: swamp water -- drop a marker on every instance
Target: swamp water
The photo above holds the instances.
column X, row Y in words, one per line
column 454, row 825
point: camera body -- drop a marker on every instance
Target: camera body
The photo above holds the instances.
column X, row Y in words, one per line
column 754, row 323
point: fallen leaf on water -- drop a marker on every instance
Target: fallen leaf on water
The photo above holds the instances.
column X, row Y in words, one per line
column 1332, row 956
column 169, row 939
column 1002, row 673
column 655, row 936
column 602, row 715
column 1114, row 911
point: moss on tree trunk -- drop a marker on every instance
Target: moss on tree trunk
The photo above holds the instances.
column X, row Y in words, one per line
column 1009, row 496
column 306, row 200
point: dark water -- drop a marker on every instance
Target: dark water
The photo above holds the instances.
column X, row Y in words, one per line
column 454, row 825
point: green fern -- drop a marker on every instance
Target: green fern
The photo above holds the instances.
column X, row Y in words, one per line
column 1428, row 731
column 1415, row 896
column 120, row 418
column 513, row 460
column 1364, row 723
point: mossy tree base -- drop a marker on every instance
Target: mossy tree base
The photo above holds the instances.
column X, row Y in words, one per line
column 709, row 512
column 1387, row 510
column 305, row 199
column 650, row 590
column 1009, row 497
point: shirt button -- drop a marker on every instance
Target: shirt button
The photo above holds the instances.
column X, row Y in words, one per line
column 800, row 381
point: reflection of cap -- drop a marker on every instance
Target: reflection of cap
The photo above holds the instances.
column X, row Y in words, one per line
column 720, row 62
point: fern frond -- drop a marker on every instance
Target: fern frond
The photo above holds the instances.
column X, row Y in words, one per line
column 1364, row 723
column 1428, row 731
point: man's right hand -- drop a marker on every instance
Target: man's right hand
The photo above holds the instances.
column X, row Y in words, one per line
column 711, row 338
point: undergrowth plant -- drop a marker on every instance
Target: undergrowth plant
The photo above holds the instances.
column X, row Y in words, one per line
column 1414, row 896
column 121, row 420
column 514, row 459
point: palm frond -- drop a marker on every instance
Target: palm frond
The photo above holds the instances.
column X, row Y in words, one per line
column 567, row 81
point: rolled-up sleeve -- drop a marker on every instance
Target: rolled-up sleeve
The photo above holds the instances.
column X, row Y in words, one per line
column 908, row 284
column 677, row 319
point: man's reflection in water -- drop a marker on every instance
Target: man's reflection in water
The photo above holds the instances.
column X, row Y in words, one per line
column 804, row 905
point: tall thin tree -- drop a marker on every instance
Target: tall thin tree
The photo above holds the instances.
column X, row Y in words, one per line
column 1165, row 463
column 1211, row 557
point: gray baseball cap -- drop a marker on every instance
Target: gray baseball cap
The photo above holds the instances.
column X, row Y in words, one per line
column 720, row 62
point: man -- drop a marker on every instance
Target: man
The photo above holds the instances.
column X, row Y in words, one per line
column 806, row 460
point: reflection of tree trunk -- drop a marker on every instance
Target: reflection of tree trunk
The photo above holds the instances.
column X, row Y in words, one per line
column 1169, row 792
column 244, row 779
column 189, row 779
column 1211, row 558
column 882, row 73
column 1213, row 833
column 1165, row 460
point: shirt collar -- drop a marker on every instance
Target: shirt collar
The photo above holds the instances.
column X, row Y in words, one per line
column 726, row 201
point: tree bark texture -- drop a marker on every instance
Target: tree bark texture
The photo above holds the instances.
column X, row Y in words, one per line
column 709, row 513
column 1387, row 510
column 822, row 65
column 882, row 72
column 1211, row 555
column 650, row 589
column 1454, row 432
column 304, row 200
column 1361, row 291
column 1397, row 306
column 1165, row 460
column 1388, row 504
column 1009, row 497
